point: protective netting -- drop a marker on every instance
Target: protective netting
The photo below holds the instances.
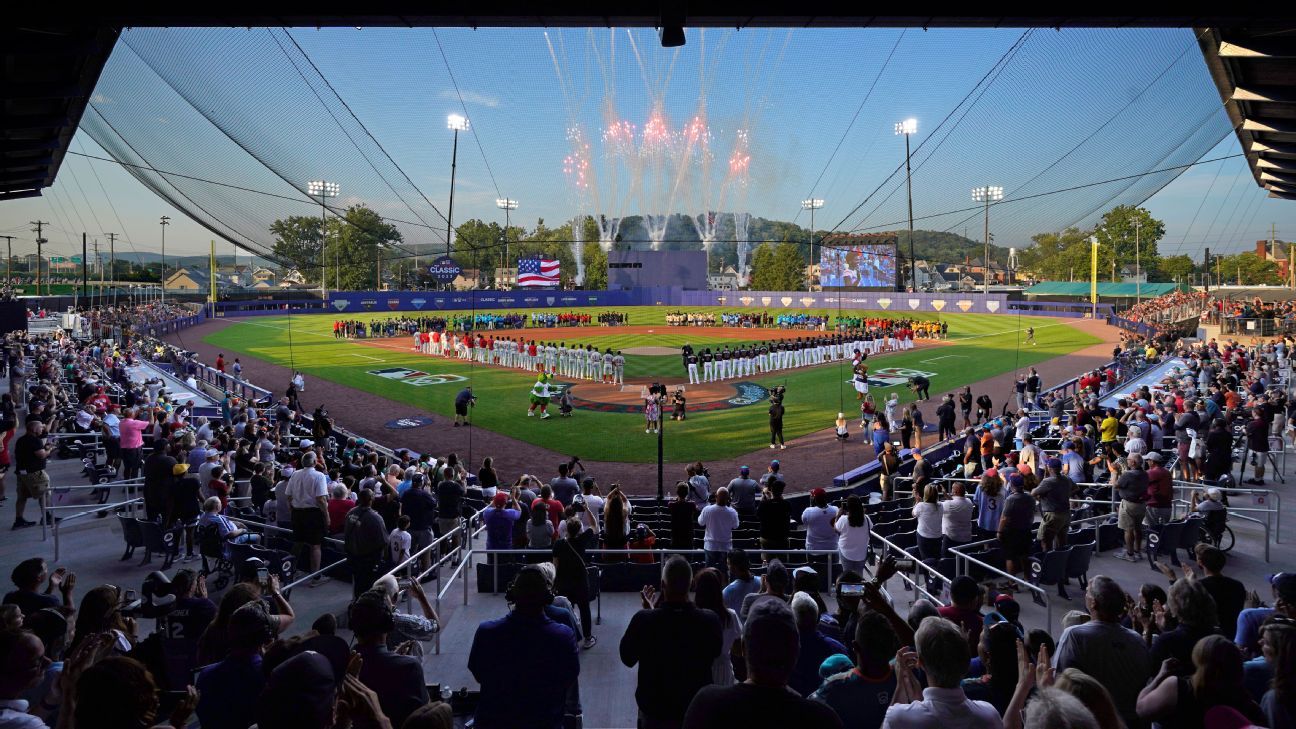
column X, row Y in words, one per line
column 747, row 122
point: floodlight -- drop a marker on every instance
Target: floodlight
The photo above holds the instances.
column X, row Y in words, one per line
column 990, row 193
column 814, row 204
column 321, row 188
column 908, row 126
column 457, row 122
column 504, row 203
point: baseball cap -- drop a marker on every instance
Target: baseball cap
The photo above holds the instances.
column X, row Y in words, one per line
column 816, row 493
column 307, row 443
column 499, row 499
column 992, row 472
column 1152, row 456
column 1055, row 464
column 744, row 469
column 1023, row 469
column 835, row 664
column 774, row 462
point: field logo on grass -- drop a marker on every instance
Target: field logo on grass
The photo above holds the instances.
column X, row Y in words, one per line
column 938, row 304
column 884, row 303
column 963, row 304
column 341, row 304
column 368, row 304
column 786, row 300
column 913, row 303
column 749, row 393
column 765, row 300
column 418, row 303
column 416, row 421
column 892, row 376
column 415, row 377
column 993, row 306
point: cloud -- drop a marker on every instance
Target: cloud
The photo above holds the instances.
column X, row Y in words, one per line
column 471, row 97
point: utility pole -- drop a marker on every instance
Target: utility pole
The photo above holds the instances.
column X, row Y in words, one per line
column 1206, row 271
column 85, row 272
column 40, row 242
column 112, row 263
column 9, row 260
column 99, row 265
column 1138, row 286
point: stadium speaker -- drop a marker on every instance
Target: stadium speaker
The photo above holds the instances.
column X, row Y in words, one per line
column 13, row 317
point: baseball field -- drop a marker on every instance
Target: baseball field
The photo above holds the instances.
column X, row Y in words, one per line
column 725, row 419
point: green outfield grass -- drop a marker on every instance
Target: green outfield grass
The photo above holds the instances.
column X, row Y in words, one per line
column 982, row 346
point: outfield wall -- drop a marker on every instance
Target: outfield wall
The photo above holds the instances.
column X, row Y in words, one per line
column 351, row 302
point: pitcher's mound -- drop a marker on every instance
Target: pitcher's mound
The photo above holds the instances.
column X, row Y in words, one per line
column 652, row 351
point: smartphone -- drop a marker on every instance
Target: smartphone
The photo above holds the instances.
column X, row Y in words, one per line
column 129, row 597
column 906, row 565
column 850, row 589
column 263, row 576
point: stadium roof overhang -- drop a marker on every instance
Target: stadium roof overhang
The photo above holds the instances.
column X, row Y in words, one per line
column 47, row 77
column 53, row 57
column 1255, row 71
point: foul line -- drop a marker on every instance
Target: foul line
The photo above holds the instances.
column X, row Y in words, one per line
column 944, row 356
column 365, row 356
column 1006, row 331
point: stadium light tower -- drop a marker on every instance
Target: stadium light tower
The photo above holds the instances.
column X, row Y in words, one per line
column 506, row 205
column 164, row 222
column 907, row 127
column 987, row 195
column 458, row 123
column 323, row 190
column 812, row 205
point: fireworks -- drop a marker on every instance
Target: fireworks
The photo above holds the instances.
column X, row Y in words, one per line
column 577, row 164
column 740, row 158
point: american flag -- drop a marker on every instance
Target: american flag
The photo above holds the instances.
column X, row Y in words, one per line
column 537, row 272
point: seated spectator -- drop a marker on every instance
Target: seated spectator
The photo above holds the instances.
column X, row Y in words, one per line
column 771, row 645
column 1278, row 643
column 22, row 667
column 119, row 692
column 1055, row 709
column 407, row 626
column 942, row 653
column 397, row 679
column 226, row 530
column 540, row 530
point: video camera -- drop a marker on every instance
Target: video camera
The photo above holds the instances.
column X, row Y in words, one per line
column 777, row 394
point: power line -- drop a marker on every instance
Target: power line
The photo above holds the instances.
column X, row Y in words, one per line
column 473, row 127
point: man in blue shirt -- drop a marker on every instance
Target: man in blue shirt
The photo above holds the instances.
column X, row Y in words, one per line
column 226, row 690
column 860, row 697
column 524, row 643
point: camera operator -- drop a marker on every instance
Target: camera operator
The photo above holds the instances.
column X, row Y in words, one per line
column 679, row 402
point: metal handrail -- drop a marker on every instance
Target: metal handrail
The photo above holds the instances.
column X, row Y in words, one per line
column 1231, row 515
column 1276, row 511
column 891, row 546
column 100, row 509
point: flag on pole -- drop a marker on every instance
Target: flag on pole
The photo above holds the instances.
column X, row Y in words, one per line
column 537, row 272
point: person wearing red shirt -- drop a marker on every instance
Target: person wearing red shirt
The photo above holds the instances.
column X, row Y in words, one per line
column 965, row 594
column 220, row 363
column 547, row 501
column 218, row 487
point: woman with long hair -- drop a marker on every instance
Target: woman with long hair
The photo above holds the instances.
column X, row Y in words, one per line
column 571, row 578
column 854, row 532
column 1093, row 695
column 616, row 521
column 928, row 513
column 868, row 411
column 213, row 645
column 989, row 500
column 1182, row 701
column 998, row 652
column 99, row 613
column 8, row 425
column 708, row 594
column 487, row 478
column 906, row 428
column 1278, row 645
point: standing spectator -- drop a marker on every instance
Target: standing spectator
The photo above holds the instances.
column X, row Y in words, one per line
column 396, row 679
column 744, row 582
column 421, row 507
column 818, row 519
column 942, row 652
column 132, row 429
column 743, row 490
column 683, row 515
column 339, row 505
column 571, row 577
column 708, row 595
column 775, row 517
column 1015, row 524
column 499, row 519
column 771, row 645
column 1180, row 695
column 989, row 502
column 1228, row 593
column 308, row 496
column 854, row 533
column 956, row 519
column 225, row 688
column 674, row 644
column 1114, row 655
column 564, row 487
column 965, row 594
column 365, row 539
column 450, row 493
column 524, row 643
column 945, row 418
column 1160, row 493
column 29, row 461
column 719, row 520
column 1257, row 438
column 1132, row 486
column 928, row 513
column 1054, row 494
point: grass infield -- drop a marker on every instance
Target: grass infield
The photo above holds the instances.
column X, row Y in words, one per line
column 980, row 346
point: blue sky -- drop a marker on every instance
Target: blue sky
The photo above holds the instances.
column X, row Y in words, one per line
column 1141, row 99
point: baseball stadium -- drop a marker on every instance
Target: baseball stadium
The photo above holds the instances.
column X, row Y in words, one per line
column 703, row 371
